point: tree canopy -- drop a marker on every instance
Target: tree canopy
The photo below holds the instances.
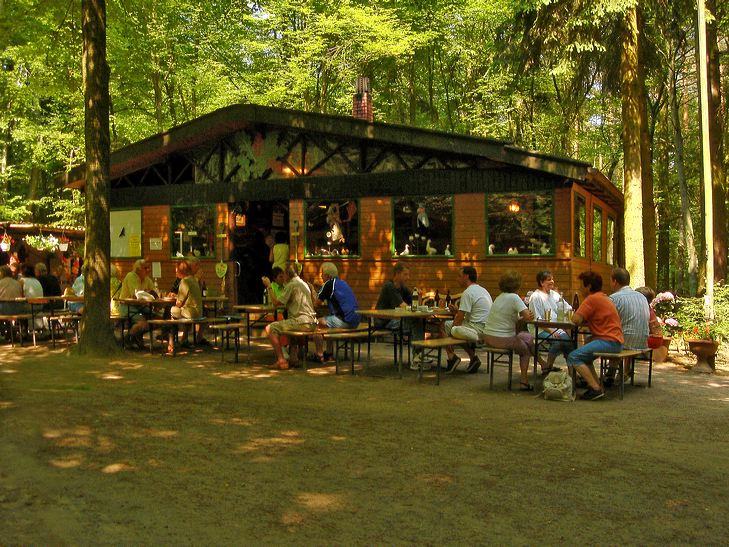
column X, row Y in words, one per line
column 545, row 74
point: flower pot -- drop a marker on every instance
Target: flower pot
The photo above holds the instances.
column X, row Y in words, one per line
column 705, row 351
column 4, row 247
column 63, row 247
column 660, row 354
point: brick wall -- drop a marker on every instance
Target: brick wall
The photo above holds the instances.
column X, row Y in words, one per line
column 367, row 273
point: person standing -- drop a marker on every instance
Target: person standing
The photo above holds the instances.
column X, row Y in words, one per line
column 469, row 321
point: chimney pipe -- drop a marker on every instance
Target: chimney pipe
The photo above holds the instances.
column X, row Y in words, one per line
column 362, row 100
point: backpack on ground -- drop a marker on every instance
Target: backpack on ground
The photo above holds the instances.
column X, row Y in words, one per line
column 558, row 386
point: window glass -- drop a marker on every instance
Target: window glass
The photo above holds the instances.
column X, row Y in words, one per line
column 580, row 235
column 519, row 223
column 192, row 231
column 332, row 228
column 423, row 226
column 610, row 240
column 597, row 234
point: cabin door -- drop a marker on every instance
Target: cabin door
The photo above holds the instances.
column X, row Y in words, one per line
column 256, row 226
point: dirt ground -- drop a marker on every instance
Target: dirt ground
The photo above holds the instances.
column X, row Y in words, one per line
column 142, row 449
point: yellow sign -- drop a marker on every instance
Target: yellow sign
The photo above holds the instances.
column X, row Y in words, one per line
column 135, row 245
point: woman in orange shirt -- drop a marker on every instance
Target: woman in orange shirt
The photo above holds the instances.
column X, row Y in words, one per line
column 601, row 316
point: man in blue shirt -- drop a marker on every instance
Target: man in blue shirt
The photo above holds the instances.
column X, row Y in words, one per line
column 342, row 305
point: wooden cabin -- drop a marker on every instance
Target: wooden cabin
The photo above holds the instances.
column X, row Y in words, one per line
column 361, row 194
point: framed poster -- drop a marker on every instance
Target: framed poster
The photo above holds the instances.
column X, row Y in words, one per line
column 125, row 227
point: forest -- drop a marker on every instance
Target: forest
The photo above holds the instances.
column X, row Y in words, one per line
column 610, row 82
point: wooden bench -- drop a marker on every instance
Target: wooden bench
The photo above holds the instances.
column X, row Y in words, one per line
column 437, row 344
column 174, row 323
column 342, row 337
column 13, row 320
column 225, row 330
column 627, row 354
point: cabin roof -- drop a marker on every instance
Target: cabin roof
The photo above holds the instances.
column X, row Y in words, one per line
column 234, row 118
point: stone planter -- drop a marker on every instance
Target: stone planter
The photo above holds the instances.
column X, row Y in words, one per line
column 4, row 247
column 705, row 351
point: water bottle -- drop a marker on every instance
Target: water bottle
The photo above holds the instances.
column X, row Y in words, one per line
column 560, row 308
column 437, row 299
column 576, row 302
column 448, row 299
column 416, row 297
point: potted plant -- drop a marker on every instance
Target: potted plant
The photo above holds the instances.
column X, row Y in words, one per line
column 5, row 242
column 703, row 341
column 664, row 304
column 63, row 242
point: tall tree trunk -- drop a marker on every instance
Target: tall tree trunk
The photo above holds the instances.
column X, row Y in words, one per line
column 663, row 247
column 412, row 96
column 97, row 337
column 716, row 147
column 646, row 165
column 631, row 97
column 687, row 224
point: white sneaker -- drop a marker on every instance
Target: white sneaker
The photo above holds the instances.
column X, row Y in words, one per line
column 415, row 365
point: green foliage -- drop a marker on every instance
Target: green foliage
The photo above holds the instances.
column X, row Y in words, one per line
column 690, row 314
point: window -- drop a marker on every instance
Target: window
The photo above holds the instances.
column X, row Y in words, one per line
column 610, row 240
column 423, row 226
column 580, row 235
column 597, row 234
column 519, row 223
column 332, row 228
column 192, row 231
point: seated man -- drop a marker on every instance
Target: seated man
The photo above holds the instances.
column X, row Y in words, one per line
column 395, row 294
column 342, row 305
column 634, row 313
column 136, row 280
column 296, row 297
column 600, row 315
column 470, row 320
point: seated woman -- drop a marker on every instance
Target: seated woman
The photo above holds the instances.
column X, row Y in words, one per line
column 189, row 301
column 601, row 316
column 543, row 299
column 500, row 329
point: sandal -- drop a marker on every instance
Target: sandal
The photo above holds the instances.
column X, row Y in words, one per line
column 525, row 386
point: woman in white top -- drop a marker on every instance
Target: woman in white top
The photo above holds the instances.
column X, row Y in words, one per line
column 543, row 299
column 500, row 329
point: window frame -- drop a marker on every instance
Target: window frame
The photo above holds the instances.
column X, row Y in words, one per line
column 173, row 237
column 579, row 198
column 595, row 210
column 552, row 252
column 393, row 249
column 307, row 254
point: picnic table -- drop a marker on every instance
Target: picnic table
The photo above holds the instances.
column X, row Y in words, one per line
column 257, row 315
column 400, row 314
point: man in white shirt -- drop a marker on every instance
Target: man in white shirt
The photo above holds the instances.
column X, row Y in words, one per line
column 470, row 319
